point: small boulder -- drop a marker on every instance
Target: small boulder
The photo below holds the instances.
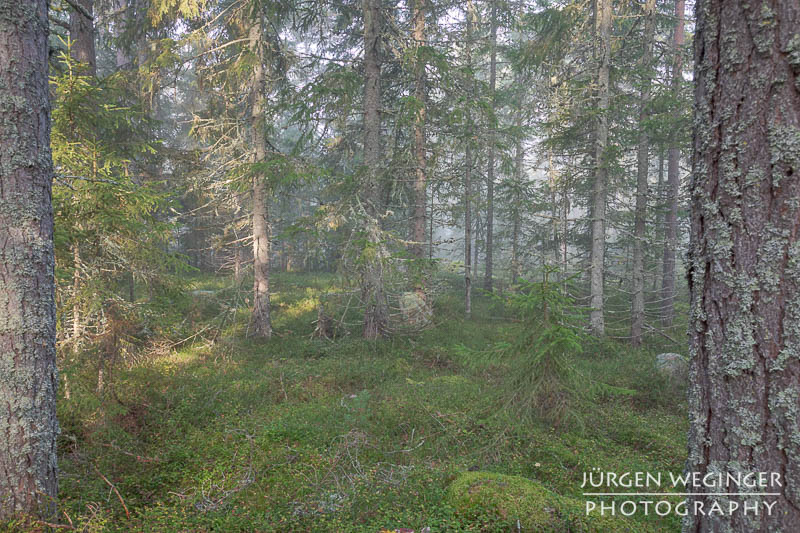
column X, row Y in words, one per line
column 416, row 310
column 527, row 504
column 673, row 365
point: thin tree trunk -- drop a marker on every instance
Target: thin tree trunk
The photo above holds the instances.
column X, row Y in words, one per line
column 515, row 223
column 519, row 160
column 553, row 207
column 516, row 209
column 660, row 218
column 468, row 173
column 420, row 178
column 744, row 261
column 28, row 381
column 673, row 185
column 237, row 264
column 477, row 247
column 603, row 53
column 487, row 283
column 430, row 228
column 81, row 33
column 77, row 323
column 260, row 319
column 642, row 168
column 376, row 312
column 564, row 230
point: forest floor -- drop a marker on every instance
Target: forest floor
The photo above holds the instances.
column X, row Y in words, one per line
column 223, row 433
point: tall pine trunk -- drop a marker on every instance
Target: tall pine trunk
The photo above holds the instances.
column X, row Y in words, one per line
column 603, row 57
column 516, row 208
column 376, row 312
column 420, row 177
column 659, row 218
column 744, row 259
column 77, row 318
column 673, row 185
column 260, row 319
column 487, row 282
column 519, row 160
column 468, row 173
column 28, row 425
column 81, row 34
column 642, row 167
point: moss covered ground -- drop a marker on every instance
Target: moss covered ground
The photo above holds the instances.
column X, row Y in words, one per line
column 224, row 433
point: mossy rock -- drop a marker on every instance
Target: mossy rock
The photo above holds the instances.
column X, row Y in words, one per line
column 512, row 498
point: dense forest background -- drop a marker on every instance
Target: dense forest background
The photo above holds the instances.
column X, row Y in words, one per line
column 497, row 141
column 345, row 266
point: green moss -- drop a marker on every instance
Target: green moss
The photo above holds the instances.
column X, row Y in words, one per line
column 515, row 498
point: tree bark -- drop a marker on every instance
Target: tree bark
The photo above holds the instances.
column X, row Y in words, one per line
column 564, row 233
column 603, row 57
column 487, row 283
column 516, row 208
column 642, row 168
column 659, row 218
column 476, row 248
column 81, row 33
column 28, row 425
column 376, row 312
column 77, row 319
column 237, row 264
column 468, row 172
column 260, row 318
column 744, row 259
column 673, row 185
column 420, row 178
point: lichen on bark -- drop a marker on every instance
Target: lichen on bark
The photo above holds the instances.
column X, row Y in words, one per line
column 28, row 426
column 744, row 277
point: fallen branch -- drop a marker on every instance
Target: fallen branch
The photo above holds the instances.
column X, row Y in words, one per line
column 139, row 458
column 55, row 526
column 127, row 513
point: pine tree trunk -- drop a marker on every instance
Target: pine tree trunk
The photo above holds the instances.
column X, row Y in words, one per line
column 420, row 178
column 564, row 233
column 28, row 425
column 744, row 260
column 260, row 319
column 603, row 57
column 487, row 282
column 476, row 248
column 376, row 312
column 468, row 174
column 237, row 264
column 468, row 229
column 553, row 207
column 519, row 159
column 642, row 167
column 77, row 319
column 660, row 218
column 81, row 33
column 673, row 186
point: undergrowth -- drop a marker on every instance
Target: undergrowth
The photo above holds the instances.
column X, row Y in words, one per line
column 224, row 433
